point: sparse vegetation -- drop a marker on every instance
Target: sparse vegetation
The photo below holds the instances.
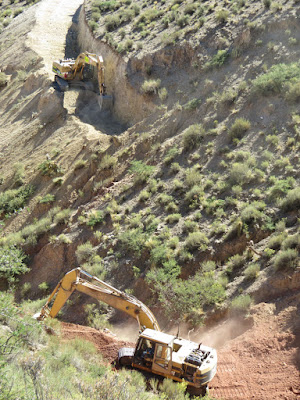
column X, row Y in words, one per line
column 151, row 86
column 239, row 128
column 200, row 163
column 192, row 136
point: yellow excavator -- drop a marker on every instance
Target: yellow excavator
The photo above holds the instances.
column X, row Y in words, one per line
column 156, row 352
column 70, row 71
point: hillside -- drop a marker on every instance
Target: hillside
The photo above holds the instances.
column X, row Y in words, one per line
column 183, row 189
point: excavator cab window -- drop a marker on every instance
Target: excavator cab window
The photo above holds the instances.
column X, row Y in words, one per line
column 145, row 349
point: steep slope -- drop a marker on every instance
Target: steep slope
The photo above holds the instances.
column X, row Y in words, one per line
column 187, row 192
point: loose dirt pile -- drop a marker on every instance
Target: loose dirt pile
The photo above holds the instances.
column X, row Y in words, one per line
column 261, row 364
column 106, row 343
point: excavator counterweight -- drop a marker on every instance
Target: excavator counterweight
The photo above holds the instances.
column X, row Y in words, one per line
column 156, row 352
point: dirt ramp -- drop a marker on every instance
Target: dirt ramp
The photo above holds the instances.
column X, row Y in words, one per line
column 53, row 20
column 261, row 363
column 106, row 343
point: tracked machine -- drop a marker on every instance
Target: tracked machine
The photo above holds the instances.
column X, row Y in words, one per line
column 70, row 71
column 155, row 352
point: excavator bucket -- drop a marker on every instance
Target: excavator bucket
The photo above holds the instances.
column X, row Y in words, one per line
column 105, row 102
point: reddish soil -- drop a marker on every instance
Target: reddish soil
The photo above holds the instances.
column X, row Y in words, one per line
column 262, row 363
column 106, row 343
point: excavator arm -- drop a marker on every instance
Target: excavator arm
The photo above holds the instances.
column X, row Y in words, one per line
column 85, row 283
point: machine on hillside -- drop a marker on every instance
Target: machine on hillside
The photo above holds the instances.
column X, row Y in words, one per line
column 70, row 71
column 155, row 352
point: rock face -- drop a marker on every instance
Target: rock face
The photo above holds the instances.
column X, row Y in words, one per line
column 129, row 105
column 50, row 106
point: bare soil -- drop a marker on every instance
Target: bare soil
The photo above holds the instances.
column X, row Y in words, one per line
column 262, row 363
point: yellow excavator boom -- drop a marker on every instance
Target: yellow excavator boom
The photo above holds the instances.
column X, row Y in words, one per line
column 85, row 283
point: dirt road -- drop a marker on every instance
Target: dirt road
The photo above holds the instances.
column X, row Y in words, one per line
column 53, row 19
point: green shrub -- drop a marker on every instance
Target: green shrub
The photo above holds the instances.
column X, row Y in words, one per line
column 108, row 162
column 192, row 104
column 292, row 200
column 285, row 259
column 149, row 15
column 164, row 198
column 241, row 303
column 291, row 242
column 192, row 136
column 171, row 154
column 14, row 199
column 253, row 213
column 190, row 226
column 112, row 22
column 196, row 241
column 190, row 9
column 96, row 15
column 280, row 187
column 62, row 238
column 240, row 174
column 293, row 92
column 222, row 15
column 162, row 94
column 62, row 216
column 48, row 198
column 151, row 86
column 239, row 128
column 144, row 196
column 173, row 218
column 84, row 252
column 252, row 271
column 267, row 3
column 141, row 171
column 12, row 263
column 228, row 96
column 7, row 12
column 193, row 177
column 19, row 174
column 182, row 20
column 79, row 164
column 275, row 242
column 132, row 241
column 3, row 79
column 94, row 217
column 50, row 168
column 194, row 196
column 58, row 180
column 235, row 263
column 175, row 168
column 43, row 286
column 217, row 60
column 105, row 6
column 274, row 81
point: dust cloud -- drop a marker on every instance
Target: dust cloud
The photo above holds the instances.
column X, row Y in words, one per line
column 127, row 331
column 215, row 337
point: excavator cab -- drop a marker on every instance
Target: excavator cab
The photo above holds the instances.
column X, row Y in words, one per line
column 154, row 351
